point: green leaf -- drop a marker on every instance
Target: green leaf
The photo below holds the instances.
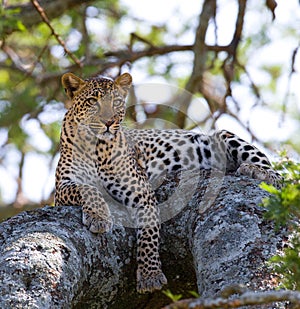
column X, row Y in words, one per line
column 20, row 25
column 270, row 188
column 173, row 297
column 194, row 294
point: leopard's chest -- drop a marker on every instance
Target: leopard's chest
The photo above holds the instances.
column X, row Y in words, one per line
column 107, row 158
column 113, row 157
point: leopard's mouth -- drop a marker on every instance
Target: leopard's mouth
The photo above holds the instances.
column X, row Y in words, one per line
column 101, row 131
column 103, row 134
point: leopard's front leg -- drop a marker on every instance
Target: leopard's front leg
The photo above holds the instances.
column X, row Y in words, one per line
column 137, row 194
column 149, row 274
column 95, row 212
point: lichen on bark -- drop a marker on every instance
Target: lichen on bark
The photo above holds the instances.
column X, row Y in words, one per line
column 48, row 259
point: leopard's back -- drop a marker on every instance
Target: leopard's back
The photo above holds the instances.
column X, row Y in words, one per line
column 171, row 150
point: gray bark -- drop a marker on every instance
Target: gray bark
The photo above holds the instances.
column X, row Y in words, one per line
column 48, row 259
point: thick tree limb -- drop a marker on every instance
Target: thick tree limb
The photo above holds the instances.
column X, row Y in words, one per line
column 48, row 259
column 195, row 81
column 239, row 26
column 246, row 299
column 117, row 58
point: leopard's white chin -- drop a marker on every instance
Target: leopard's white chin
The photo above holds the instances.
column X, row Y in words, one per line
column 108, row 136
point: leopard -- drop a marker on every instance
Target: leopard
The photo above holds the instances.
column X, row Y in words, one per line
column 98, row 155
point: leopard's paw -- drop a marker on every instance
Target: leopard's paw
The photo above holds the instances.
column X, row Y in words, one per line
column 150, row 283
column 96, row 223
column 268, row 175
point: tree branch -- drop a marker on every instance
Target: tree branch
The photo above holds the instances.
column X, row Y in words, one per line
column 214, row 238
column 46, row 20
column 288, row 87
column 54, row 9
column 239, row 25
column 246, row 299
column 199, row 48
column 118, row 58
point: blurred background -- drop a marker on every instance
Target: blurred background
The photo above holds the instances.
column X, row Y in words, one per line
column 226, row 64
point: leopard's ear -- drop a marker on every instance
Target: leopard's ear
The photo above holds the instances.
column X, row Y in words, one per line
column 124, row 82
column 71, row 84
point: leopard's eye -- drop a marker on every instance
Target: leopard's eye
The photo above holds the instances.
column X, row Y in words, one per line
column 118, row 102
column 91, row 101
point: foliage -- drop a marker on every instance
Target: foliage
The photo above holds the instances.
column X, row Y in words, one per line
column 173, row 297
column 288, row 265
column 9, row 21
column 284, row 208
column 176, row 297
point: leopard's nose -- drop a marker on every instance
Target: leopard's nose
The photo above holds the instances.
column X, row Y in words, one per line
column 108, row 123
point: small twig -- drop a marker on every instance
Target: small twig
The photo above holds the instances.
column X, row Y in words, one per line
column 135, row 37
column 14, row 57
column 57, row 37
column 85, row 35
column 242, row 124
column 253, row 85
column 35, row 63
column 288, row 89
column 20, row 199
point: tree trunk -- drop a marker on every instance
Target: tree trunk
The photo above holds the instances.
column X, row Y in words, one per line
column 49, row 259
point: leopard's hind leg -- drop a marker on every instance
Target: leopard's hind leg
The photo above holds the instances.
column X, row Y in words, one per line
column 246, row 159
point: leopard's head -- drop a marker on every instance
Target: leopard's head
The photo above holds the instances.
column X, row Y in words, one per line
column 98, row 103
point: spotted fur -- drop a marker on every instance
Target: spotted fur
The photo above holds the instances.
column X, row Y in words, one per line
column 96, row 150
